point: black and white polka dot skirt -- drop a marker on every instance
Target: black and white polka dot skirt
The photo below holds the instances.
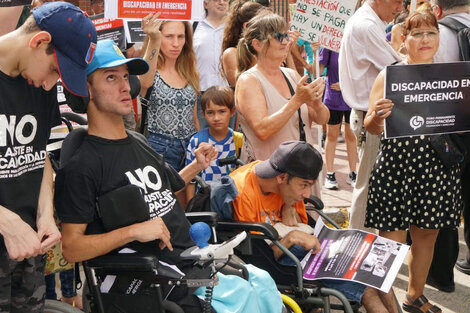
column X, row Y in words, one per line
column 409, row 185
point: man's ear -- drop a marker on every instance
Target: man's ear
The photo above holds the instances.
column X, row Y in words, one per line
column 90, row 94
column 282, row 178
column 40, row 38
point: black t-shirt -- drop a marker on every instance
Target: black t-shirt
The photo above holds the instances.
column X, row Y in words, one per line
column 27, row 115
column 100, row 166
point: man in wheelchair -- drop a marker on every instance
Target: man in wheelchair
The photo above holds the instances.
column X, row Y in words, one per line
column 272, row 191
column 108, row 160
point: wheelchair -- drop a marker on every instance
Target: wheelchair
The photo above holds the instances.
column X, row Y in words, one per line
column 140, row 266
column 254, row 250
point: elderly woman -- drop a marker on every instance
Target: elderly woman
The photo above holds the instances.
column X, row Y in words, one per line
column 410, row 187
column 269, row 111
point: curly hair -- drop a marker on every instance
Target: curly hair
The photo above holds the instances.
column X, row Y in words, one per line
column 241, row 11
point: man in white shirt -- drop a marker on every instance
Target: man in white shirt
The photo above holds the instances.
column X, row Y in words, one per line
column 207, row 43
column 446, row 250
column 364, row 53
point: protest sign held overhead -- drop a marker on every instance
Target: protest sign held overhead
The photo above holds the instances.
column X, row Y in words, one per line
column 110, row 29
column 181, row 10
column 322, row 21
column 428, row 99
column 14, row 3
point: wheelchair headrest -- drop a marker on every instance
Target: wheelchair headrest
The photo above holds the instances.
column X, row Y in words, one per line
column 72, row 142
column 80, row 104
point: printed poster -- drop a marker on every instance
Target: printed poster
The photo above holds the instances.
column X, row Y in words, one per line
column 133, row 30
column 110, row 29
column 322, row 21
column 356, row 255
column 182, row 10
column 428, row 99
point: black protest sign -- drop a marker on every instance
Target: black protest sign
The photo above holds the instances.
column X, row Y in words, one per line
column 428, row 99
column 14, row 3
column 109, row 29
column 134, row 32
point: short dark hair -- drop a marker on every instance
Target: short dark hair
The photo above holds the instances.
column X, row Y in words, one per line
column 219, row 95
column 449, row 4
column 31, row 26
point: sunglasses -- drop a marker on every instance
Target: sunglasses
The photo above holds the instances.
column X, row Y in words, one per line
column 281, row 36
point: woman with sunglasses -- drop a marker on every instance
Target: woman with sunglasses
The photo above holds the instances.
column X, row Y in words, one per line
column 410, row 188
column 269, row 113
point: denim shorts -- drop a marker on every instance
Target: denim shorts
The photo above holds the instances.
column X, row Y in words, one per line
column 352, row 290
column 172, row 149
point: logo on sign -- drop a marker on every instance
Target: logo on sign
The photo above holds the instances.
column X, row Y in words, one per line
column 416, row 122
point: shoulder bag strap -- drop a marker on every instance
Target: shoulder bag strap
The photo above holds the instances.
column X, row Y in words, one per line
column 301, row 123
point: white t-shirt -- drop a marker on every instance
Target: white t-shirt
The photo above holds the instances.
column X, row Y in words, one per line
column 207, row 44
column 364, row 52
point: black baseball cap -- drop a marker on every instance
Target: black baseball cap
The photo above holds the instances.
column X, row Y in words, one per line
column 297, row 158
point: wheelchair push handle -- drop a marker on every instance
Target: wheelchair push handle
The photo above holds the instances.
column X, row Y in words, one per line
column 230, row 160
column 204, row 252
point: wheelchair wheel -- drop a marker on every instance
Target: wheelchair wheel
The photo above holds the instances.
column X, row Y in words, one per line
column 54, row 306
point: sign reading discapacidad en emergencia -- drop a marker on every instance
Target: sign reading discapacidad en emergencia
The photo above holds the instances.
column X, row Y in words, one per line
column 428, row 99
column 322, row 21
column 182, row 10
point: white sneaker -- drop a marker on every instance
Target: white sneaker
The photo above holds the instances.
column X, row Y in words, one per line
column 330, row 181
column 352, row 179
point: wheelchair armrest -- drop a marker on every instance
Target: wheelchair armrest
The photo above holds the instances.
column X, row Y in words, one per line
column 207, row 217
column 315, row 201
column 267, row 230
column 124, row 262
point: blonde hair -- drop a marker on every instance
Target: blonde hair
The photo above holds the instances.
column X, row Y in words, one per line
column 186, row 61
column 261, row 27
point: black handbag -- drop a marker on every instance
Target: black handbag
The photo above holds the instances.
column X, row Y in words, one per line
column 121, row 207
column 450, row 149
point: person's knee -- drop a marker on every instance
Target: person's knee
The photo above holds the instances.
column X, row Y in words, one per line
column 372, row 302
column 332, row 133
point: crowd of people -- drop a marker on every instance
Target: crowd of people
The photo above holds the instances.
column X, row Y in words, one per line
column 234, row 84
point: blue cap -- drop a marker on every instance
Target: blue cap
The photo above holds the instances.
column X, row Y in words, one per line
column 108, row 55
column 74, row 39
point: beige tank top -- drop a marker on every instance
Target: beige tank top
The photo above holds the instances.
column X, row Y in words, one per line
column 257, row 149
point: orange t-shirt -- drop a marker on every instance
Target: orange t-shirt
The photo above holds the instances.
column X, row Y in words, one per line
column 251, row 205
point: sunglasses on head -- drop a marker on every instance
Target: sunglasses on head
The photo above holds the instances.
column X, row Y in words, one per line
column 281, row 36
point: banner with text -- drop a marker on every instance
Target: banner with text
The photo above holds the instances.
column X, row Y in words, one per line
column 428, row 99
column 133, row 30
column 14, row 3
column 110, row 29
column 182, row 10
column 351, row 254
column 322, row 21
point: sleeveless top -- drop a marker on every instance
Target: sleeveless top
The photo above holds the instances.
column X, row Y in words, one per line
column 170, row 110
column 257, row 149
